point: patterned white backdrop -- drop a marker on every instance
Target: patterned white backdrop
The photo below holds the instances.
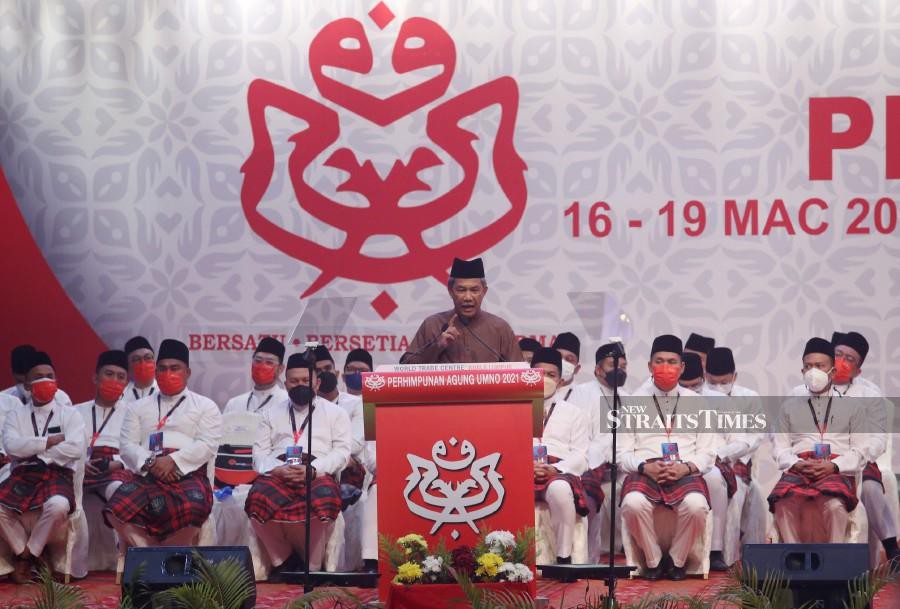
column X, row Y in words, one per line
column 124, row 125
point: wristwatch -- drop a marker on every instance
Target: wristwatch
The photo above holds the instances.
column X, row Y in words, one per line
column 148, row 463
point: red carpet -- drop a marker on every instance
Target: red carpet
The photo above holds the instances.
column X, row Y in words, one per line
column 103, row 593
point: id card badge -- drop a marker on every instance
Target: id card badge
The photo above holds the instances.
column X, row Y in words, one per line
column 156, row 443
column 293, row 455
column 540, row 453
column 90, row 450
column 670, row 452
column 823, row 451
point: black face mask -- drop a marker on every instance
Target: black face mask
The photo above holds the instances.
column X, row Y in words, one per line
column 616, row 377
column 327, row 382
column 301, row 395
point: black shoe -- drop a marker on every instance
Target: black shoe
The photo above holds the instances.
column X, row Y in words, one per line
column 677, row 574
column 370, row 565
column 665, row 565
column 654, row 573
column 717, row 562
column 564, row 561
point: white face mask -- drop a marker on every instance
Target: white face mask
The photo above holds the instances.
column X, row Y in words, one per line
column 816, row 380
column 568, row 371
column 721, row 387
column 549, row 387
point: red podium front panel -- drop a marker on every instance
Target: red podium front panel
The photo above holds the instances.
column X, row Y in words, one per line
column 453, row 453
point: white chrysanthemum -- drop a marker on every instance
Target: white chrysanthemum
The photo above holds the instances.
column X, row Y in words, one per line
column 432, row 564
column 500, row 540
column 516, row 572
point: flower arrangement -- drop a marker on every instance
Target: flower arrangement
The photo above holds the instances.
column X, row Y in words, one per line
column 498, row 556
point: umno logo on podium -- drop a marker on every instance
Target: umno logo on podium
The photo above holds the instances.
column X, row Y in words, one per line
column 421, row 46
column 454, row 491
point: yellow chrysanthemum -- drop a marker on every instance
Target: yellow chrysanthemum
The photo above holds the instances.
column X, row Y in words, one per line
column 408, row 573
column 412, row 542
column 489, row 564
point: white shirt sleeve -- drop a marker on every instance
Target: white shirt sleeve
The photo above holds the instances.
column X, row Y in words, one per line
column 18, row 445
column 130, row 439
column 576, row 461
column 72, row 448
column 336, row 459
column 206, row 438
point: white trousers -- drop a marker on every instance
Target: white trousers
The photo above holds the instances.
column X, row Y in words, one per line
column 878, row 510
column 819, row 520
column 280, row 539
column 561, row 503
column 637, row 513
column 35, row 527
column 370, row 525
column 718, row 500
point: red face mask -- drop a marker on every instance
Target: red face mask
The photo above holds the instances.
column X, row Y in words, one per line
column 666, row 376
column 843, row 371
column 43, row 390
column 144, row 372
column 110, row 390
column 262, row 373
column 171, row 383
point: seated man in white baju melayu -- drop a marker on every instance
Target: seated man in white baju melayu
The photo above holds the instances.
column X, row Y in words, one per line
column 45, row 440
column 665, row 464
column 168, row 441
column 850, row 351
column 104, row 470
column 560, row 456
column 820, row 446
column 595, row 398
column 276, row 503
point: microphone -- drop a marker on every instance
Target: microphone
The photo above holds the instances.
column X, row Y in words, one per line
column 618, row 347
column 425, row 346
column 465, row 324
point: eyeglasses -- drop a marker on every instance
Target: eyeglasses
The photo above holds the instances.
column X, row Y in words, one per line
column 851, row 359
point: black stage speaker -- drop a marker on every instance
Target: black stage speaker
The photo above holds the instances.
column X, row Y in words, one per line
column 818, row 572
column 150, row 570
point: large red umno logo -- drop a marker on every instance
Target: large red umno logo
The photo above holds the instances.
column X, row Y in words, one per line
column 343, row 44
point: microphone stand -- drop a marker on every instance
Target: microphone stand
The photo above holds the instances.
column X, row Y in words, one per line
column 310, row 358
column 611, row 581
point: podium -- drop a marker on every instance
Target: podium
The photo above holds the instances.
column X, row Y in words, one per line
column 453, row 450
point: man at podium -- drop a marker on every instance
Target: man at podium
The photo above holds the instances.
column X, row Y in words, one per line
column 464, row 334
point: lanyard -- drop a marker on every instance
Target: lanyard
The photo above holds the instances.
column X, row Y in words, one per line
column 137, row 395
column 664, row 420
column 97, row 432
column 260, row 407
column 549, row 413
column 546, row 419
column 162, row 422
column 823, row 429
column 46, row 425
column 297, row 434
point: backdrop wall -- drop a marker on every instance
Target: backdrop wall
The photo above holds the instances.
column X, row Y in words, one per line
column 580, row 147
